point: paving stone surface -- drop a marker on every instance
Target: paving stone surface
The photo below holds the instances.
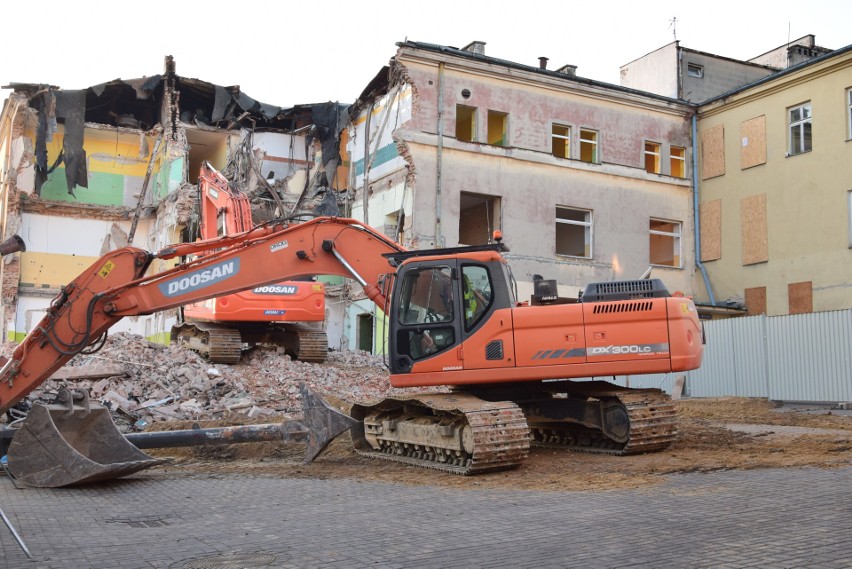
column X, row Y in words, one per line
column 762, row 518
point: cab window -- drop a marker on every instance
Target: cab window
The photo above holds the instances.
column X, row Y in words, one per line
column 426, row 312
column 477, row 294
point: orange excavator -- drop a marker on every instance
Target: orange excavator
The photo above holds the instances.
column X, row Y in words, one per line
column 454, row 322
column 285, row 314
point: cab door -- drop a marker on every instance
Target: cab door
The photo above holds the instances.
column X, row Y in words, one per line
column 486, row 323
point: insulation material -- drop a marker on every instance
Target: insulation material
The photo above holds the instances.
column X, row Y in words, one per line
column 800, row 297
column 754, row 227
column 753, row 135
column 713, row 152
column 711, row 230
column 755, row 300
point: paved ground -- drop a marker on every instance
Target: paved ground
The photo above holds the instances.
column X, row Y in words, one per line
column 759, row 518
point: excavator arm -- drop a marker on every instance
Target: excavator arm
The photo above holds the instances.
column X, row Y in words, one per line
column 117, row 286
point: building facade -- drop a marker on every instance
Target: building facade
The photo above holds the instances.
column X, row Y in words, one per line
column 776, row 190
column 87, row 171
column 587, row 181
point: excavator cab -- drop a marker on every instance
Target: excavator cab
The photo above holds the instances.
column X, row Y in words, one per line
column 439, row 301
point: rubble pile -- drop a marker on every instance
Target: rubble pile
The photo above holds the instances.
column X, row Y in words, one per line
column 164, row 383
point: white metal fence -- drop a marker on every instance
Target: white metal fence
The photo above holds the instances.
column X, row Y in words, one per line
column 801, row 357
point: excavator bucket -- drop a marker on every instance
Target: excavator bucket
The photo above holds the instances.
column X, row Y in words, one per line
column 62, row 445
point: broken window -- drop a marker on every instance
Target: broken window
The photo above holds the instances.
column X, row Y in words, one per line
column 652, row 157
column 694, row 70
column 465, row 123
column 677, row 159
column 573, row 232
column 800, row 129
column 479, row 218
column 589, row 146
column 561, row 141
column 665, row 243
column 498, row 128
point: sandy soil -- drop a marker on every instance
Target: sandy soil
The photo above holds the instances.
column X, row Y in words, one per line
column 714, row 434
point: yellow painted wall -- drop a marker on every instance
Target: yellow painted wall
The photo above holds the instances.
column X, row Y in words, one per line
column 806, row 194
column 51, row 270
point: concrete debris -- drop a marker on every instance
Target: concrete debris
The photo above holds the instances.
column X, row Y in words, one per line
column 165, row 383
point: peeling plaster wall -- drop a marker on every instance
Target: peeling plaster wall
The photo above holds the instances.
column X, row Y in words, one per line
column 531, row 182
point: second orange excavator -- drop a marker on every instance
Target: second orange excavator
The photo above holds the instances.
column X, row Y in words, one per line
column 285, row 314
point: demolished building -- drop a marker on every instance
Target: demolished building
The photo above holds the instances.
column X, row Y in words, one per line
column 91, row 170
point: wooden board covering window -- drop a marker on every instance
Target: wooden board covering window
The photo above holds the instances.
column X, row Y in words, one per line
column 711, row 230
column 753, row 136
column 800, row 297
column 713, row 152
column 755, row 300
column 755, row 233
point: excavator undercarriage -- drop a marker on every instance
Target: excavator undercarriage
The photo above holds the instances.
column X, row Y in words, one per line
column 223, row 343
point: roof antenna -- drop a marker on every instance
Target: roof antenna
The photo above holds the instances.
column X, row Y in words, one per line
column 673, row 26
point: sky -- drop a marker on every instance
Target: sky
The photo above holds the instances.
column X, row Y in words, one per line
column 286, row 53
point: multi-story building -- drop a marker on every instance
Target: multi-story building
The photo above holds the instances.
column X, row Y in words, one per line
column 587, row 181
column 776, row 189
column 696, row 76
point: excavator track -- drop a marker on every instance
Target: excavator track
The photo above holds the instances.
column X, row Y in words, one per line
column 652, row 420
column 310, row 345
column 217, row 343
column 450, row 432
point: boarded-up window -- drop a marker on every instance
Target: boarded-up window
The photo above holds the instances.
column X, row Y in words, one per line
column 755, row 300
column 713, row 152
column 753, row 133
column 711, row 230
column 800, row 297
column 755, row 234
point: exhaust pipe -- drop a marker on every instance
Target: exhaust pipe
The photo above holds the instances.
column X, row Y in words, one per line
column 12, row 245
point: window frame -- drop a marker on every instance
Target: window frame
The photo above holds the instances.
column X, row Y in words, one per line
column 473, row 121
column 680, row 160
column 695, row 70
column 588, row 232
column 595, row 146
column 504, row 140
column 656, row 156
column 849, row 113
column 566, row 138
column 800, row 125
column 677, row 237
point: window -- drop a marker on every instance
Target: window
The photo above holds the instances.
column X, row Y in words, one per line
column 665, row 243
column 694, row 70
column 652, row 157
column 465, row 123
column 800, row 129
column 426, row 312
column 561, row 141
column 573, row 232
column 476, row 292
column 479, row 217
column 849, row 211
column 849, row 112
column 498, row 131
column 677, row 157
column 589, row 146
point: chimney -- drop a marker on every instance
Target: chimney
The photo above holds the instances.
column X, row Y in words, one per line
column 477, row 47
column 542, row 63
column 569, row 70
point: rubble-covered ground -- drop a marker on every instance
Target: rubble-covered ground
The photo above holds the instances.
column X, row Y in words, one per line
column 171, row 387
